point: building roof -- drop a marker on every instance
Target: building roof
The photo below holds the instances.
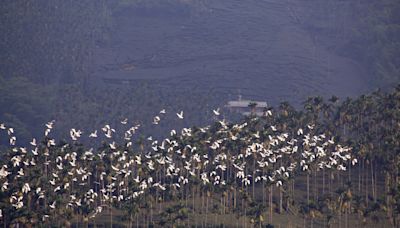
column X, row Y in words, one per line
column 245, row 104
column 255, row 113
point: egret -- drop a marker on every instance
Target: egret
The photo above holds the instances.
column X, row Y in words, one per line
column 49, row 125
column 33, row 143
column 216, row 112
column 93, row 134
column 113, row 146
column 108, row 134
column 26, row 188
column 257, row 135
column 4, row 187
column 3, row 172
column 16, row 160
column 38, row 190
column 300, row 132
column 13, row 140
column 20, row 173
column 156, row 120
column 180, row 115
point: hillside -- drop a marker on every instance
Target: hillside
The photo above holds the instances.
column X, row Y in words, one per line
column 266, row 49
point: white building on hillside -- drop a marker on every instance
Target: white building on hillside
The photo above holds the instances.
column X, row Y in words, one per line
column 247, row 107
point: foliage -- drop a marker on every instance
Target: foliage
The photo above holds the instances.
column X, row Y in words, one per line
column 26, row 114
column 50, row 41
column 257, row 152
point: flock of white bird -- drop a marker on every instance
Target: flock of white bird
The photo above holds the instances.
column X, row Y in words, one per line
column 70, row 176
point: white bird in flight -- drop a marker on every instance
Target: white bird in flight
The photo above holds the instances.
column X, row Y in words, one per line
column 93, row 134
column 180, row 115
column 13, row 140
column 53, row 205
column 124, row 121
column 33, row 143
column 156, row 120
column 300, row 132
column 216, row 112
column 49, row 125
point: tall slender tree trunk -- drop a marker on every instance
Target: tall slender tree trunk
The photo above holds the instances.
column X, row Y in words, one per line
column 308, row 188
column 253, row 176
column 359, row 180
column 194, row 206
column 366, row 184
column 373, row 182
column 315, row 186
column 244, row 216
column 202, row 209
column 151, row 211
column 208, row 196
column 111, row 216
column 137, row 220
column 234, row 199
column 280, row 200
column 323, row 181
column 270, row 204
column 387, row 190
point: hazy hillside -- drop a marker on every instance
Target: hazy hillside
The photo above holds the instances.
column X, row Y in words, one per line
column 266, row 49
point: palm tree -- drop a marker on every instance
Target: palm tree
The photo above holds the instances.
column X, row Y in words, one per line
column 252, row 106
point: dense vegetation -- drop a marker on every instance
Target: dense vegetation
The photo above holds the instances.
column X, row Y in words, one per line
column 366, row 31
column 378, row 30
column 288, row 162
